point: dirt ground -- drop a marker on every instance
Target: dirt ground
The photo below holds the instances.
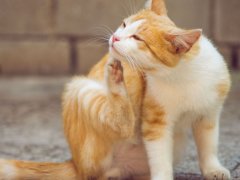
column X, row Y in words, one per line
column 31, row 124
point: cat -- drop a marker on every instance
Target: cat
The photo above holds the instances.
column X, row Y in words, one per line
column 187, row 82
column 175, row 80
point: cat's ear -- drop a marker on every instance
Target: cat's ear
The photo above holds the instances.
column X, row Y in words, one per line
column 183, row 41
column 159, row 7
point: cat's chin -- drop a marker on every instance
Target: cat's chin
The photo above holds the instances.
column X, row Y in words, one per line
column 115, row 54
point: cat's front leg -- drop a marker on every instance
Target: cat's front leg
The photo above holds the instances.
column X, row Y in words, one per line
column 206, row 132
column 160, row 158
column 157, row 134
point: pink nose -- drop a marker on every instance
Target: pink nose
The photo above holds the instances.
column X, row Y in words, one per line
column 115, row 39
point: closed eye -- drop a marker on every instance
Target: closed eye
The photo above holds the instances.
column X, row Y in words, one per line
column 124, row 24
column 136, row 38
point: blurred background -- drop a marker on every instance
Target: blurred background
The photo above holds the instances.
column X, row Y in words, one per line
column 45, row 42
column 53, row 37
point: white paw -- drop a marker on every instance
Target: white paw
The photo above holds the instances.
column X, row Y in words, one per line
column 163, row 176
column 219, row 173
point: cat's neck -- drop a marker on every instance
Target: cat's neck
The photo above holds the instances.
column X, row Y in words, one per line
column 191, row 68
column 184, row 72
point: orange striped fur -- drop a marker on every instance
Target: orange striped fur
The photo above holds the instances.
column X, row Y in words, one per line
column 96, row 118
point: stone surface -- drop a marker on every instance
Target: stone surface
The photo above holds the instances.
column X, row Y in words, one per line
column 28, row 17
column 30, row 125
column 89, row 54
column 227, row 24
column 34, row 57
column 31, row 115
column 82, row 17
column 236, row 172
column 190, row 13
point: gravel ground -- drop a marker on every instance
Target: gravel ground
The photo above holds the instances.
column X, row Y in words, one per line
column 31, row 124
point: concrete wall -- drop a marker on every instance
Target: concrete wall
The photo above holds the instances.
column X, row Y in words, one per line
column 52, row 36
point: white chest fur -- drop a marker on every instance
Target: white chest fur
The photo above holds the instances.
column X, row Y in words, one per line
column 191, row 86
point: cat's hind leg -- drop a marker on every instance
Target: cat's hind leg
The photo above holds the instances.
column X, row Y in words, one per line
column 119, row 113
column 129, row 160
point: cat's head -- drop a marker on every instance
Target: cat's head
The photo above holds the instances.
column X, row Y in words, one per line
column 150, row 40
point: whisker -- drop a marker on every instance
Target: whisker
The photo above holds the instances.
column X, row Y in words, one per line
column 96, row 41
column 129, row 61
column 139, row 67
column 126, row 10
column 100, row 38
column 134, row 63
column 135, row 67
column 130, row 5
column 134, row 57
column 123, row 53
column 108, row 28
column 102, row 31
column 132, row 60
column 89, row 44
column 134, row 6
column 137, row 64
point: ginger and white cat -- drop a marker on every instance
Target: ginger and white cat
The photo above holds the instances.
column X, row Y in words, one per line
column 186, row 78
column 178, row 81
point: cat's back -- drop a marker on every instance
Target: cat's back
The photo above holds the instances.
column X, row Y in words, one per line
column 210, row 57
column 209, row 65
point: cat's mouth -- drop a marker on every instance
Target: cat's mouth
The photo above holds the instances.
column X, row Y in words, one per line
column 115, row 52
column 113, row 48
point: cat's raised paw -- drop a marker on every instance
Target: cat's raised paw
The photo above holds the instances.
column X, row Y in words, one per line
column 218, row 174
column 115, row 71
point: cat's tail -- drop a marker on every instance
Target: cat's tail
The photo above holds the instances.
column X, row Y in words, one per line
column 16, row 170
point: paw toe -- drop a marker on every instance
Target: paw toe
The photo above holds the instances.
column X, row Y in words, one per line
column 116, row 71
column 222, row 174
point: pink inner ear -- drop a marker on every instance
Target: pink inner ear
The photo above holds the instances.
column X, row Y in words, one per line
column 184, row 40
